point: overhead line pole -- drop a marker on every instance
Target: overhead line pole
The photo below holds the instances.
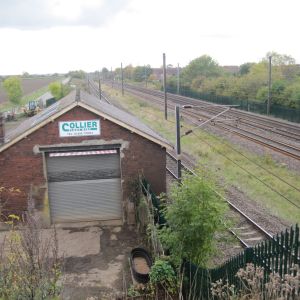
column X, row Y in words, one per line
column 99, row 85
column 122, row 78
column 145, row 75
column 178, row 79
column 165, row 83
column 178, row 142
column 269, row 89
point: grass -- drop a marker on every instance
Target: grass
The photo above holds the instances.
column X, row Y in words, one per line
column 206, row 148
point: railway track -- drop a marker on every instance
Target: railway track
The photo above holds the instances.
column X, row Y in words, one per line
column 94, row 89
column 246, row 230
column 246, row 117
column 285, row 142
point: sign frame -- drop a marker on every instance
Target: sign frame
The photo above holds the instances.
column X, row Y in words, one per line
column 78, row 128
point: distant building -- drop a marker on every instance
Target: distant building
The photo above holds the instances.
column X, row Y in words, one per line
column 46, row 100
column 231, row 69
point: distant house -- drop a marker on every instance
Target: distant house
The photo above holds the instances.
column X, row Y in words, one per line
column 231, row 69
column 158, row 72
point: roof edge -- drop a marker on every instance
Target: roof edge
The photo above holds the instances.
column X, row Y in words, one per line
column 133, row 129
column 7, row 145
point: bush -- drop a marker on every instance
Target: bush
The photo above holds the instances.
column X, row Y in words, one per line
column 193, row 218
column 30, row 267
column 162, row 274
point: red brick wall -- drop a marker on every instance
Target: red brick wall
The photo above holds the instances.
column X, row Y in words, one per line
column 21, row 168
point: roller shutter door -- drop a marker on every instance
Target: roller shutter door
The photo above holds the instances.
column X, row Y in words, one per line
column 84, row 186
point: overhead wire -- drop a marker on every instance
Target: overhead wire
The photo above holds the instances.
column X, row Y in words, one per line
column 250, row 173
column 255, row 163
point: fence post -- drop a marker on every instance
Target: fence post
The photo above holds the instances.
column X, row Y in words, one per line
column 249, row 253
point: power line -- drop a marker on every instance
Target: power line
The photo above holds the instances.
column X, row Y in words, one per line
column 252, row 161
column 250, row 173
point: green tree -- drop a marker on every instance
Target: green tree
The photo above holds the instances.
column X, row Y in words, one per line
column 105, row 73
column 13, row 88
column 279, row 59
column 203, row 66
column 140, row 73
column 193, row 218
column 245, row 68
column 80, row 74
column 58, row 90
column 292, row 94
column 128, row 72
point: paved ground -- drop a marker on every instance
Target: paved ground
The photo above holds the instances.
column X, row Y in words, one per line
column 95, row 260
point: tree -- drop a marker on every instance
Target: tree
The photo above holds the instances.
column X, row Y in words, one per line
column 105, row 73
column 25, row 75
column 140, row 73
column 203, row 66
column 128, row 72
column 193, row 217
column 279, row 59
column 58, row 90
column 245, row 68
column 13, row 88
column 77, row 74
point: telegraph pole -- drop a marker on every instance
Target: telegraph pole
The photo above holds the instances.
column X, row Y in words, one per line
column 88, row 84
column 178, row 144
column 145, row 75
column 112, row 77
column 99, row 85
column 269, row 90
column 178, row 79
column 122, row 78
column 165, row 88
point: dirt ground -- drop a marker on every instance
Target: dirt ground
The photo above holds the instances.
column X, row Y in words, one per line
column 95, row 259
column 29, row 85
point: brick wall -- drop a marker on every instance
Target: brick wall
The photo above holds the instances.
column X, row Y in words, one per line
column 21, row 168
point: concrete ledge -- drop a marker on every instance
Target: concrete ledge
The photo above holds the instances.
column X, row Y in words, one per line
column 77, row 224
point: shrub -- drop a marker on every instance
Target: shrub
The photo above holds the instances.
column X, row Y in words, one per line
column 193, row 218
column 163, row 274
column 30, row 267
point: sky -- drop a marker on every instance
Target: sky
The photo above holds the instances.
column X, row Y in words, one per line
column 56, row 36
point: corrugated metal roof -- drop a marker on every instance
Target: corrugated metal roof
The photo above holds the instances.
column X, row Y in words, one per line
column 45, row 97
column 89, row 102
column 119, row 114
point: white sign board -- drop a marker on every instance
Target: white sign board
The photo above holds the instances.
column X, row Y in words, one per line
column 79, row 128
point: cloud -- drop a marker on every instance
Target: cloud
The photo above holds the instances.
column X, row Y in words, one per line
column 41, row 14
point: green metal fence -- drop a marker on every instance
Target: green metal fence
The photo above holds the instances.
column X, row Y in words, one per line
column 276, row 110
column 279, row 255
column 158, row 215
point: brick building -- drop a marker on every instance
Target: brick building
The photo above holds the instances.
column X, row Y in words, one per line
column 78, row 160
